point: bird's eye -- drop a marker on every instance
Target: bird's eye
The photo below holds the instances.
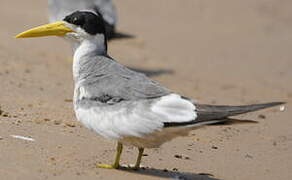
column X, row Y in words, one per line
column 78, row 21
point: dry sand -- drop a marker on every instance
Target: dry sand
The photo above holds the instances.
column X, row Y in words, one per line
column 220, row 52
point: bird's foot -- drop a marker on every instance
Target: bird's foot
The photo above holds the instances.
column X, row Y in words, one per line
column 108, row 166
column 134, row 168
column 112, row 166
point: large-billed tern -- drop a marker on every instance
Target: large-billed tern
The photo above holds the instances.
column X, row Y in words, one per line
column 59, row 9
column 120, row 104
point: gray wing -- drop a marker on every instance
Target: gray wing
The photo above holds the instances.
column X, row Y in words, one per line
column 106, row 80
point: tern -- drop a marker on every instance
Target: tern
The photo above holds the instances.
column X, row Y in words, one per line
column 123, row 105
column 59, row 9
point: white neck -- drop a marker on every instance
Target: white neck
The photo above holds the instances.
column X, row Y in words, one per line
column 88, row 49
column 95, row 46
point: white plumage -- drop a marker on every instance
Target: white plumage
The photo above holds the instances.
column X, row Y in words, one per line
column 136, row 119
column 173, row 108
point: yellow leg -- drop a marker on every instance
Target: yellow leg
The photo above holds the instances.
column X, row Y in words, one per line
column 116, row 164
column 139, row 158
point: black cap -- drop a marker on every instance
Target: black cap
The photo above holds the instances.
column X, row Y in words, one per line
column 91, row 23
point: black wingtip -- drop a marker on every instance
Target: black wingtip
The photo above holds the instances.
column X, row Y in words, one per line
column 277, row 103
column 267, row 105
column 211, row 112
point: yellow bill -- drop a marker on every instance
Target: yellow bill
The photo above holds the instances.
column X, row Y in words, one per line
column 55, row 29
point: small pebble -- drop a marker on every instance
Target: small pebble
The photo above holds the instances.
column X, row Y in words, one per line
column 248, row 156
column 18, row 121
column 57, row 122
column 5, row 114
column 178, row 156
column 261, row 116
column 175, row 169
column 214, row 147
column 70, row 124
column 38, row 121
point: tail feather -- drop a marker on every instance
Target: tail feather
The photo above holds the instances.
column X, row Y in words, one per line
column 210, row 114
column 213, row 112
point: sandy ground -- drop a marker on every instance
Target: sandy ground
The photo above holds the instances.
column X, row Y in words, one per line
column 219, row 52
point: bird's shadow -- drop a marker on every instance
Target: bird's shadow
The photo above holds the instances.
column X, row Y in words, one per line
column 147, row 72
column 176, row 175
column 232, row 121
column 152, row 73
